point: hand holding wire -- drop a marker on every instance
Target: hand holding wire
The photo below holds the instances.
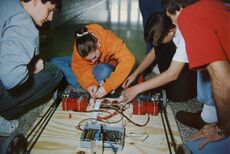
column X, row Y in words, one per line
column 130, row 93
column 101, row 92
column 92, row 91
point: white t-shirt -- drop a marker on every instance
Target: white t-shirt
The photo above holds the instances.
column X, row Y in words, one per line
column 180, row 54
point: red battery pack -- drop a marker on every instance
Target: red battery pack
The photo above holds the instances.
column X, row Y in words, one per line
column 143, row 107
column 78, row 104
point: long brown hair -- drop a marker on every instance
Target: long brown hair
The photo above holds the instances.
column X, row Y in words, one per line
column 157, row 27
column 85, row 41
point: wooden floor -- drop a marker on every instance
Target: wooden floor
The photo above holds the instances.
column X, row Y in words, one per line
column 61, row 136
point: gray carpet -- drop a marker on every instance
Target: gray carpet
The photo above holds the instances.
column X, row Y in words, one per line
column 28, row 119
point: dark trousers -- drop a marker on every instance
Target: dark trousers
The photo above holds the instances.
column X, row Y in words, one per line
column 16, row 101
column 185, row 87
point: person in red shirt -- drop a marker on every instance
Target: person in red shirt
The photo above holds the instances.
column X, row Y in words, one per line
column 214, row 59
column 205, row 28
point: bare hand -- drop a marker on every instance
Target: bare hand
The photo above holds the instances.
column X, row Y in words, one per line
column 101, row 92
column 39, row 66
column 92, row 91
column 128, row 81
column 130, row 93
column 208, row 133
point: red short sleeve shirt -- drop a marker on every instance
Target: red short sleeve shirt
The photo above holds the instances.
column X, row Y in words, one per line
column 205, row 27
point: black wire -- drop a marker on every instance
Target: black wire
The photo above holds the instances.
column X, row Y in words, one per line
column 170, row 130
column 44, row 116
column 47, row 117
column 166, row 134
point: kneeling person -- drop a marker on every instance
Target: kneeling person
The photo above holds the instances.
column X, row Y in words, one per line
column 100, row 55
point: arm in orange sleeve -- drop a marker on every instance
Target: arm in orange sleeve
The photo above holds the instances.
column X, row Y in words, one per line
column 83, row 71
column 124, row 57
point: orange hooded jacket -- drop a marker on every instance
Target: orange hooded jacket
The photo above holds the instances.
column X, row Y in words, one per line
column 113, row 51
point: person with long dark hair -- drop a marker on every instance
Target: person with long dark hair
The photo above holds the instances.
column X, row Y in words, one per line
column 99, row 55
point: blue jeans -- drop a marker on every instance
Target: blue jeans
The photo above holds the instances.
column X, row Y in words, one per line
column 219, row 147
column 204, row 88
column 204, row 95
column 101, row 72
column 18, row 100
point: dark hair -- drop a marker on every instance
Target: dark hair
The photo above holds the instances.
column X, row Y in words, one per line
column 85, row 41
column 174, row 5
column 157, row 27
column 226, row 1
column 58, row 3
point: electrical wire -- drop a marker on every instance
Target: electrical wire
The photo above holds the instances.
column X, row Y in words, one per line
column 136, row 136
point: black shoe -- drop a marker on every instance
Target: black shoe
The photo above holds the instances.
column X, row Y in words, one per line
column 191, row 119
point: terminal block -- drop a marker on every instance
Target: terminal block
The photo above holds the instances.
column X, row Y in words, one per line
column 111, row 137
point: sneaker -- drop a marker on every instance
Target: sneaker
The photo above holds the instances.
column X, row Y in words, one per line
column 191, row 119
column 7, row 127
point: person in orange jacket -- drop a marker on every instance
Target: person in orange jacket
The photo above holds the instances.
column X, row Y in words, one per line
column 95, row 50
